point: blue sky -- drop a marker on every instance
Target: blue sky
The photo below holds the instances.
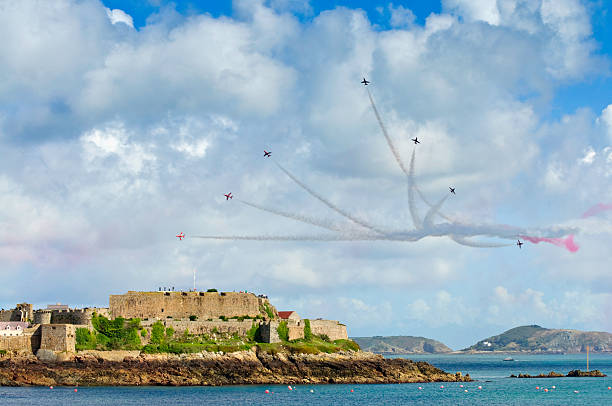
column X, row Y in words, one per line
column 123, row 123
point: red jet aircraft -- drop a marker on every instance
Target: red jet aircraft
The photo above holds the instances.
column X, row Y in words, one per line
column 228, row 196
column 180, row 236
column 266, row 153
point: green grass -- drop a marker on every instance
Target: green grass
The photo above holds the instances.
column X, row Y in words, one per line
column 314, row 346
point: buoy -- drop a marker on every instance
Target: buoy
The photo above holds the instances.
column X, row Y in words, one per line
column 461, row 386
column 608, row 387
column 289, row 387
column 420, row 388
column 480, row 387
column 554, row 387
column 75, row 389
column 465, row 390
column 267, row 391
column 311, row 391
column 575, row 391
column 537, row 387
column 545, row 390
column 51, row 387
column 352, row 390
column 441, row 386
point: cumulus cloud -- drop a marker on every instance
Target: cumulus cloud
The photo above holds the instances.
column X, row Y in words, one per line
column 114, row 144
column 119, row 16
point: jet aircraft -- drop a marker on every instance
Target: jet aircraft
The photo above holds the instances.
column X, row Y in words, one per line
column 519, row 243
column 180, row 236
column 452, row 190
column 416, row 140
column 228, row 196
column 365, row 82
column 266, row 153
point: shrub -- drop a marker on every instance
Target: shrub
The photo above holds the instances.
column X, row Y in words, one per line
column 85, row 340
column 307, row 330
column 212, row 290
column 253, row 333
column 143, row 333
column 169, row 332
column 283, row 331
column 215, row 330
column 325, row 338
column 223, row 318
column 114, row 334
column 157, row 333
column 269, row 311
column 193, row 317
column 2, row 352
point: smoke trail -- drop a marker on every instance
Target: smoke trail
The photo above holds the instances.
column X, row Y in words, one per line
column 363, row 237
column 598, row 208
column 327, row 202
column 428, row 221
column 409, row 174
column 384, row 131
column 567, row 243
column 427, row 202
column 298, row 217
column 411, row 201
column 477, row 244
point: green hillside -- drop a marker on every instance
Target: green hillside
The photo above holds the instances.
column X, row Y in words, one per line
column 538, row 339
column 400, row 345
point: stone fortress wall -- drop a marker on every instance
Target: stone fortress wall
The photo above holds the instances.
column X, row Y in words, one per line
column 180, row 305
column 331, row 328
column 55, row 330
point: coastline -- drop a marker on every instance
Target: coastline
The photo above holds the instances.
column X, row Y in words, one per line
column 118, row 368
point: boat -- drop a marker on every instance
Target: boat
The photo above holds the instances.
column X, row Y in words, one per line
column 508, row 359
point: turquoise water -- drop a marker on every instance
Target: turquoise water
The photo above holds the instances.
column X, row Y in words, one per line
column 489, row 370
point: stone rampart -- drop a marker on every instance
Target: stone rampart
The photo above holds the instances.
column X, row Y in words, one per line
column 28, row 342
column 181, row 305
column 209, row 327
column 296, row 329
column 21, row 312
column 268, row 332
column 331, row 328
column 58, row 337
column 71, row 316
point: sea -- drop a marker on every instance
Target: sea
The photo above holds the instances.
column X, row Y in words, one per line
column 491, row 386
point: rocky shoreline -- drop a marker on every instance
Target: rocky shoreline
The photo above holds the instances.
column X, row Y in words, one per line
column 93, row 368
column 576, row 373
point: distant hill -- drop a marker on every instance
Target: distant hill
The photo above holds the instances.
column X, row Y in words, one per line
column 400, row 345
column 538, row 339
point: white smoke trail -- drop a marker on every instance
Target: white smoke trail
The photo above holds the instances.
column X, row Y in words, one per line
column 428, row 203
column 398, row 159
column 409, row 174
column 411, row 201
column 298, row 217
column 428, row 221
column 328, row 203
column 362, row 237
column 477, row 244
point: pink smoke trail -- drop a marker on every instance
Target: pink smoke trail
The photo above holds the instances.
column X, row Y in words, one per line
column 598, row 208
column 567, row 242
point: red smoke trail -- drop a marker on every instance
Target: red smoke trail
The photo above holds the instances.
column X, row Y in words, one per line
column 598, row 208
column 567, row 242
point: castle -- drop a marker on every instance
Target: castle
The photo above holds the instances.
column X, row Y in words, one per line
column 45, row 332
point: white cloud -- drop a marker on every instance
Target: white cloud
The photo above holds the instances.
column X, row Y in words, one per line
column 126, row 137
column 119, row 16
column 113, row 140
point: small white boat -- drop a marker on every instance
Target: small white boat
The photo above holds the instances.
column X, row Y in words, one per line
column 508, row 359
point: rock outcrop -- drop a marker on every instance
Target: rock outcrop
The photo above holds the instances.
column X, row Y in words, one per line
column 246, row 367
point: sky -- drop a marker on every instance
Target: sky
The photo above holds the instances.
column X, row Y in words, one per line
column 123, row 123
